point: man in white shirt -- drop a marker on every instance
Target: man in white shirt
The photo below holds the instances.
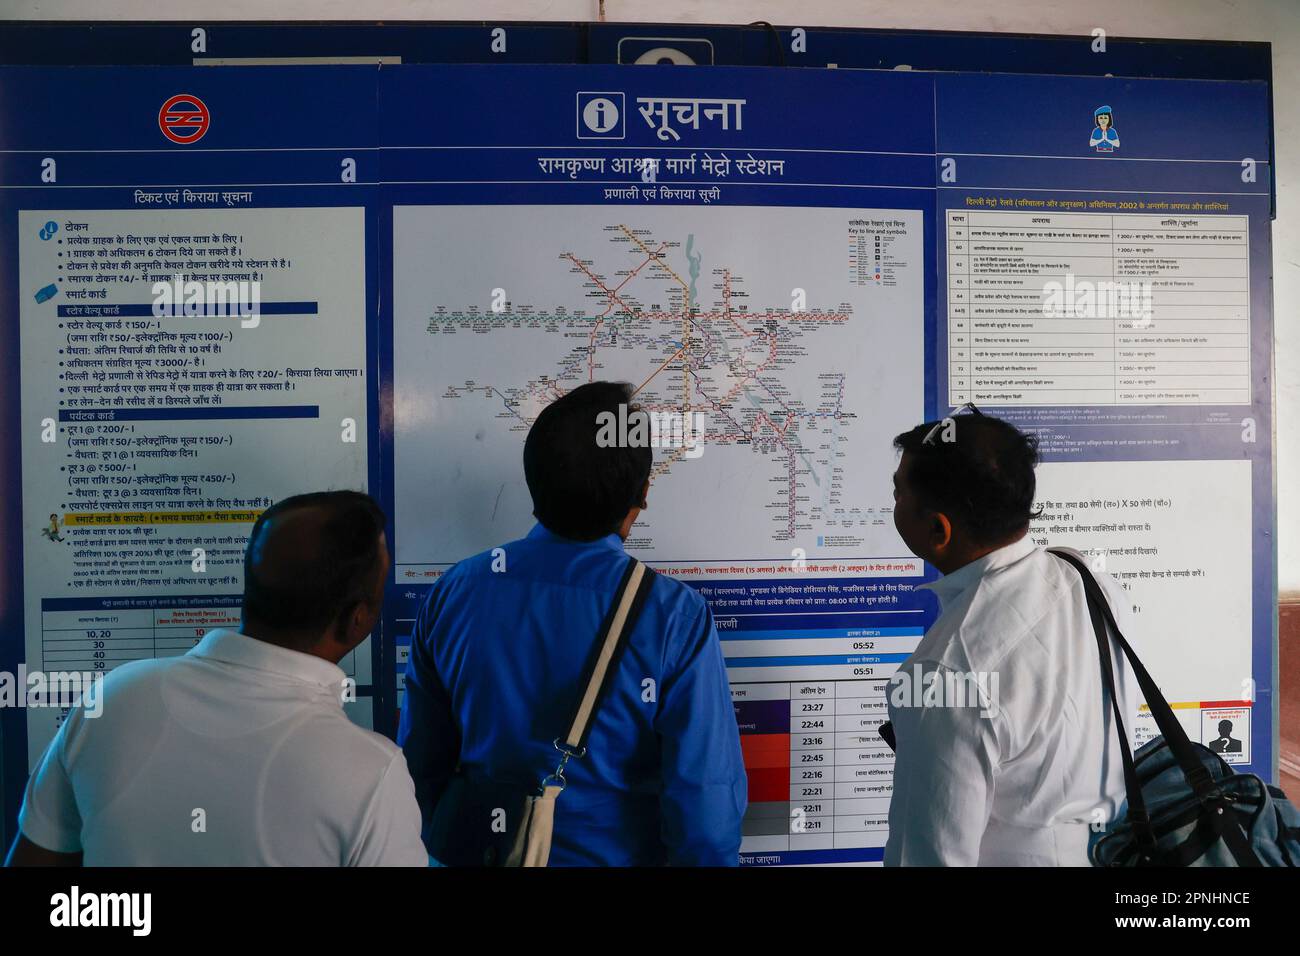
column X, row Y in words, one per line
column 239, row 753
column 1007, row 751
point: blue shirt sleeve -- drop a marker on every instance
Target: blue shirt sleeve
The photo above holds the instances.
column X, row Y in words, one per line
column 428, row 734
column 704, row 785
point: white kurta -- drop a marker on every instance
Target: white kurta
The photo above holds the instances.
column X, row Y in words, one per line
column 1023, row 773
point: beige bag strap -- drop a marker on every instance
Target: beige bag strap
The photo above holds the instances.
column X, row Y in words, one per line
column 617, row 627
column 541, row 824
column 631, row 595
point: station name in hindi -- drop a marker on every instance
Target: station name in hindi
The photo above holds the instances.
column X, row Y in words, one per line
column 571, row 166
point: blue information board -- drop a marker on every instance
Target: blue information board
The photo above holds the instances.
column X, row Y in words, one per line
column 810, row 261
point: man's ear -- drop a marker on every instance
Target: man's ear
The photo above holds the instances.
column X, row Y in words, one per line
column 645, row 496
column 361, row 620
column 940, row 532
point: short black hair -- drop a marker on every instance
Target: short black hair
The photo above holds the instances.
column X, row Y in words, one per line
column 312, row 588
column 977, row 469
column 581, row 490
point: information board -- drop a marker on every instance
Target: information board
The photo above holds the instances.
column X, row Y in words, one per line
column 800, row 264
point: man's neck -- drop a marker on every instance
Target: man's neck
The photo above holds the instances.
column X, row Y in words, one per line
column 974, row 553
column 304, row 643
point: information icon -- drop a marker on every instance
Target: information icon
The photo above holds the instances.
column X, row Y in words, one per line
column 600, row 116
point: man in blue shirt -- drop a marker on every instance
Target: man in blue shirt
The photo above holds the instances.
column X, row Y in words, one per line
column 500, row 646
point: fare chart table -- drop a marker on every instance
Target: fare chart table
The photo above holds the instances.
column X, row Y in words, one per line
column 96, row 637
column 1097, row 346
column 809, row 705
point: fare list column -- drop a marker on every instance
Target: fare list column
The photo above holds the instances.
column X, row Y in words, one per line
column 80, row 636
column 1194, row 345
column 812, row 762
column 959, row 336
column 864, row 764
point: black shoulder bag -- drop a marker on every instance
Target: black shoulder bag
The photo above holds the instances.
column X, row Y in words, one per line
column 1186, row 807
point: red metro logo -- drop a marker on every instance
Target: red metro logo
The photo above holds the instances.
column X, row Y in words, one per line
column 184, row 119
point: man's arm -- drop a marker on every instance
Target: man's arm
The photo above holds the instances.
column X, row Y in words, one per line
column 704, row 786
column 428, row 734
column 26, row 853
column 49, row 823
column 943, row 779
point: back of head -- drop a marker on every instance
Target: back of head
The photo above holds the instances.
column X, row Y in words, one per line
column 978, row 470
column 583, row 488
column 311, row 559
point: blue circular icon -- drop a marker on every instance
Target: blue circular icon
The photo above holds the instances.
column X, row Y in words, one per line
column 50, row 229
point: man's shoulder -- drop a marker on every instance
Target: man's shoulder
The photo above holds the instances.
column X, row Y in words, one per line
column 678, row 612
column 144, row 671
column 336, row 734
column 1029, row 607
column 1070, row 587
column 678, row 595
column 491, row 561
column 115, row 706
column 453, row 584
column 1003, row 613
column 142, row 677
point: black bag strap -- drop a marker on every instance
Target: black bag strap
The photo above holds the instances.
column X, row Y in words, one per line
column 1195, row 773
column 617, row 627
column 1138, row 816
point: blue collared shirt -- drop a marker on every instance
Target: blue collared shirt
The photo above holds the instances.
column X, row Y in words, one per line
column 497, row 661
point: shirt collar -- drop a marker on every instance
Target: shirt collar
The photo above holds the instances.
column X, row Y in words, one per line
column 951, row 586
column 231, row 647
column 542, row 533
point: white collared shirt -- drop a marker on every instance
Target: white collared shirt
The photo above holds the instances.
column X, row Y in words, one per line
column 236, row 754
column 1017, row 777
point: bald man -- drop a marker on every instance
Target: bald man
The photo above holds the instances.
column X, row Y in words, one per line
column 238, row 753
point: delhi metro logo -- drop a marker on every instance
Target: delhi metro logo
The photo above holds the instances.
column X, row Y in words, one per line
column 184, row 119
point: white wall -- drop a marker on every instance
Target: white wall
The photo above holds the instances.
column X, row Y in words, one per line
column 1276, row 21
